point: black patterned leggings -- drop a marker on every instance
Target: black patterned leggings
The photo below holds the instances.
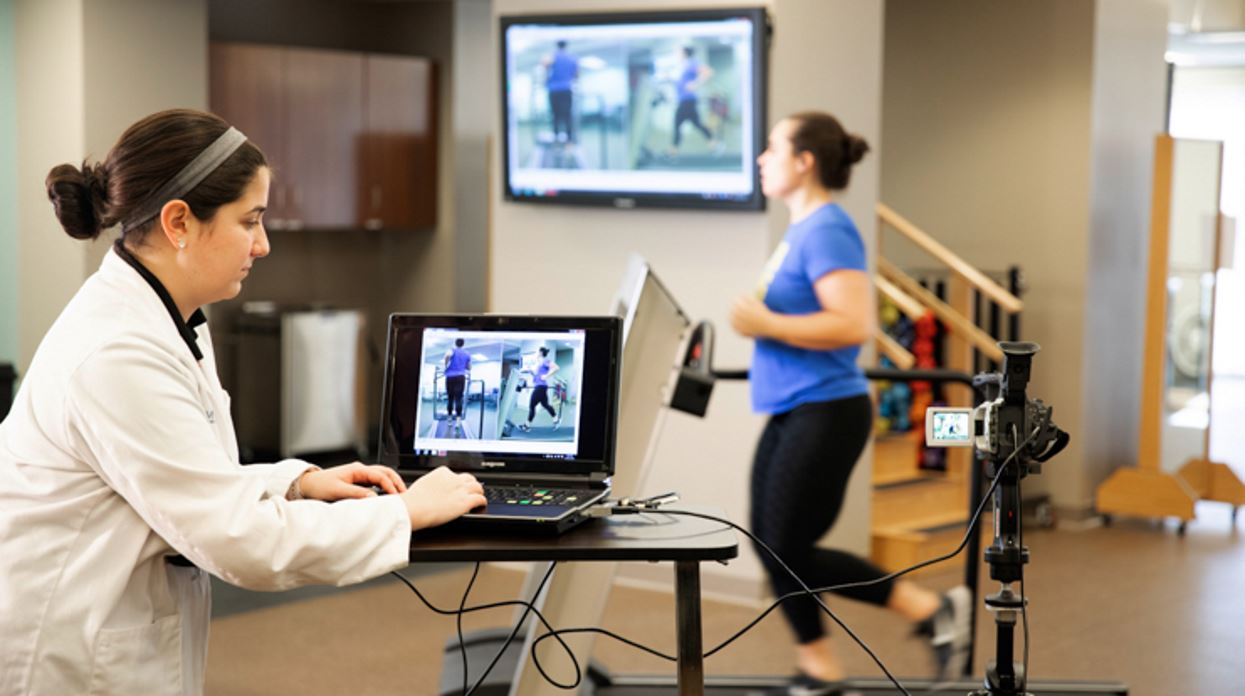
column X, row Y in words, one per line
column 799, row 479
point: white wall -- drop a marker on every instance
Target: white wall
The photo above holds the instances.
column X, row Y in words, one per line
column 1207, row 15
column 826, row 55
column 1130, row 86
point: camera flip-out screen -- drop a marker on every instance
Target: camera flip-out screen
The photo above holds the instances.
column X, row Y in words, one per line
column 949, row 427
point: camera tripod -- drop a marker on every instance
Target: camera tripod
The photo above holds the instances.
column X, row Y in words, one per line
column 1022, row 437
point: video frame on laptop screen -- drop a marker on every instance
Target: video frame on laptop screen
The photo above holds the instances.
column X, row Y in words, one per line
column 500, row 391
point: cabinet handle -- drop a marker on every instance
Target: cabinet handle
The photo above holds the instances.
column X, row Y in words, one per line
column 376, row 196
column 275, row 224
column 294, row 224
column 373, row 224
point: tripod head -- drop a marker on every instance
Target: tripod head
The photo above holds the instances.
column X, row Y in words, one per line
column 1013, row 425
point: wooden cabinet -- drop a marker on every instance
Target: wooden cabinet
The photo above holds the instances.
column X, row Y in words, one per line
column 352, row 137
column 399, row 144
column 246, row 88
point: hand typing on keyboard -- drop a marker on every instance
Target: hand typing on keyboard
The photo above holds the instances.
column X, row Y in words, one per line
column 441, row 496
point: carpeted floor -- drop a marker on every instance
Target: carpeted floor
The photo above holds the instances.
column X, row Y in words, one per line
column 1133, row 602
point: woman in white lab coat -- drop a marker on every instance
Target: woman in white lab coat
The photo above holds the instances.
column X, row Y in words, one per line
column 120, row 487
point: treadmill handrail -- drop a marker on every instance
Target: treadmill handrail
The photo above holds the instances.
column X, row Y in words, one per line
column 880, row 373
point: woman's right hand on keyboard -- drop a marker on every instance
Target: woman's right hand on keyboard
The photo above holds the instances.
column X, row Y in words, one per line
column 440, row 496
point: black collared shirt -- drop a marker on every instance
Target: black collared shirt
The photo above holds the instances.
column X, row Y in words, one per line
column 184, row 328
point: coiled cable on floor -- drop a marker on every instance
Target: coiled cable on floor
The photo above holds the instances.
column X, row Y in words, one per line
column 551, row 632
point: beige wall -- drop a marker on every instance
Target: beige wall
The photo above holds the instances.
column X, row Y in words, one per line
column 51, row 130
column 706, row 258
column 82, row 77
column 1019, row 133
column 126, row 80
column 986, row 117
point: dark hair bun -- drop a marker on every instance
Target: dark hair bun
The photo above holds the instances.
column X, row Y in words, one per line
column 80, row 197
column 854, row 149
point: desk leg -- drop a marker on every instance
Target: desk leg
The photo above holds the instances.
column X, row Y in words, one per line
column 687, row 606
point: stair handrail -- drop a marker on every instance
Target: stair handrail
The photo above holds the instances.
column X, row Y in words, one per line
column 907, row 304
column 901, row 357
column 983, row 284
column 953, row 319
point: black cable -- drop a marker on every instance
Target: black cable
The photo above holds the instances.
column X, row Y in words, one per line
column 498, row 605
column 972, row 523
column 458, row 623
column 807, row 590
column 528, row 608
column 774, row 605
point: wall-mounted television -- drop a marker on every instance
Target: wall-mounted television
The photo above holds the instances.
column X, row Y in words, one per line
column 637, row 109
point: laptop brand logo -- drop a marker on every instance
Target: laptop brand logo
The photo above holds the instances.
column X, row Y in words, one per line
column 493, row 465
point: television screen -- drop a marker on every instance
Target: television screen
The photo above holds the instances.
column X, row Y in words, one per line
column 641, row 109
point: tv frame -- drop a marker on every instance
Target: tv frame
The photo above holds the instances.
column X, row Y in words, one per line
column 630, row 199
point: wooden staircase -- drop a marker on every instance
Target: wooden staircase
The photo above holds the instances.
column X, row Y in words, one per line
column 919, row 514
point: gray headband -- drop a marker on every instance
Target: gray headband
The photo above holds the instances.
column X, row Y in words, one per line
column 188, row 178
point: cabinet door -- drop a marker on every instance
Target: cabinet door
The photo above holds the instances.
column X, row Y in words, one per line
column 399, row 186
column 246, row 88
column 324, row 107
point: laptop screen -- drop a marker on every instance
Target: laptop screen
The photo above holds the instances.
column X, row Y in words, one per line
column 501, row 394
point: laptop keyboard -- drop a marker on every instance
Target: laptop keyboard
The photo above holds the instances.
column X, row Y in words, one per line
column 533, row 495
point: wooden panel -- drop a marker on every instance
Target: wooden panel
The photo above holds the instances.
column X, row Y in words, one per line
column 398, row 188
column 246, row 88
column 894, row 550
column 959, row 356
column 895, row 457
column 1155, row 350
column 325, row 106
column 1213, row 481
column 1146, row 494
column 920, row 504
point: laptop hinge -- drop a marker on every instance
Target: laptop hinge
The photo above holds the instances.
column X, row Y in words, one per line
column 557, row 481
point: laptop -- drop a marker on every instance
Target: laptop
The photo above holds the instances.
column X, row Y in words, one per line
column 527, row 404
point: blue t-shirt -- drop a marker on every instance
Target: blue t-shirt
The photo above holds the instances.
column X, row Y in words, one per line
column 539, row 374
column 562, row 72
column 460, row 362
column 784, row 376
column 691, row 71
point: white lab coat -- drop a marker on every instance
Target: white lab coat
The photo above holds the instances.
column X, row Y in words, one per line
column 118, row 452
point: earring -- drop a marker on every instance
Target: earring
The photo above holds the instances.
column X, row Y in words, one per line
column 181, row 244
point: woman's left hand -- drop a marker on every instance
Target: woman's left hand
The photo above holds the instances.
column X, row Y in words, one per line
column 349, row 481
column 750, row 316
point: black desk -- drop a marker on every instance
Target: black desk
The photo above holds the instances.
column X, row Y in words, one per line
column 649, row 537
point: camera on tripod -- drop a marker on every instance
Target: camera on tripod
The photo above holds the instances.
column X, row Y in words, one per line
column 1007, row 426
column 1006, row 422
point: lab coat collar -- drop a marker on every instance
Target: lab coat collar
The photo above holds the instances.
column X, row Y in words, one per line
column 185, row 328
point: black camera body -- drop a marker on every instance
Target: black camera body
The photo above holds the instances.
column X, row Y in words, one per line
column 1006, row 422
